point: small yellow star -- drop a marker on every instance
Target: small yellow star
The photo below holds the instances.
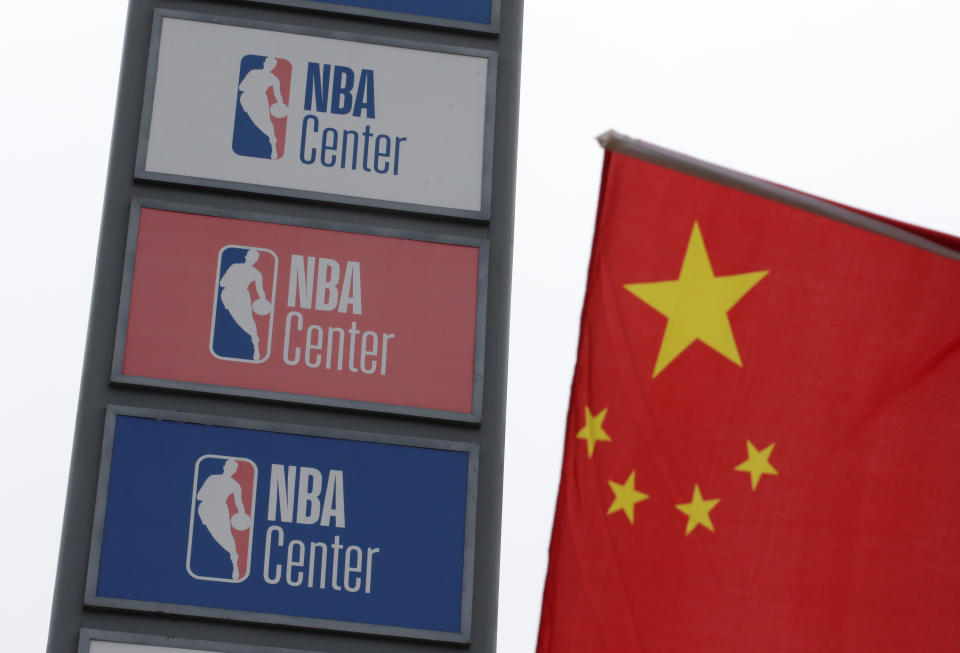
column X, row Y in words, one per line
column 593, row 431
column 757, row 463
column 626, row 496
column 696, row 304
column 698, row 511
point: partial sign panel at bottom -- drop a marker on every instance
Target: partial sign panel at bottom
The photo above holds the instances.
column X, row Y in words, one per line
column 280, row 524
column 107, row 641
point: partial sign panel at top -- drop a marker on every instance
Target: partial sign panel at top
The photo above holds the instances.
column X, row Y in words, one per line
column 479, row 15
column 236, row 106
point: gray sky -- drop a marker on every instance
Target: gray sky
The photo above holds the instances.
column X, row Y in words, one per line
column 855, row 101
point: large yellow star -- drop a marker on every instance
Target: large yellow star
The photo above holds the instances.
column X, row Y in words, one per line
column 593, row 431
column 626, row 496
column 698, row 511
column 757, row 463
column 696, row 304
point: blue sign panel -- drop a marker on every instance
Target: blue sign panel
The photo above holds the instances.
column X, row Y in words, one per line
column 469, row 11
column 472, row 11
column 286, row 528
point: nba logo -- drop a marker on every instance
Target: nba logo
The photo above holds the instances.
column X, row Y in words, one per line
column 243, row 305
column 263, row 98
column 221, row 518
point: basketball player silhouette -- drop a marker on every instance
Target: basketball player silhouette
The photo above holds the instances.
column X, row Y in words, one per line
column 214, row 513
column 236, row 295
column 256, row 104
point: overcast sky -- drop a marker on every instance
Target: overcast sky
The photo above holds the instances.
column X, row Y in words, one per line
column 855, row 101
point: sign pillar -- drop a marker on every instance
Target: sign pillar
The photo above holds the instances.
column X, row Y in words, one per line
column 290, row 426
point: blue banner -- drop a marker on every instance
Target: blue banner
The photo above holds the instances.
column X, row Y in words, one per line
column 282, row 524
column 472, row 11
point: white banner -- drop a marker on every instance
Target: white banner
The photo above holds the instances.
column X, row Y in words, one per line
column 319, row 115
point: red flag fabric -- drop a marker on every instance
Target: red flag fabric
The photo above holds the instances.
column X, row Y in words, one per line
column 763, row 445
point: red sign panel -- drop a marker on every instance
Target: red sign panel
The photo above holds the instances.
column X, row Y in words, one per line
column 301, row 313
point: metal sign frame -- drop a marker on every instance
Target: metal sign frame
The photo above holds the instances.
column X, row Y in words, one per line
column 466, row 598
column 74, row 621
column 486, row 182
column 118, row 376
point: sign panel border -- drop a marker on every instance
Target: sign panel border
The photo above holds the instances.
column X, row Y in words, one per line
column 493, row 27
column 150, row 82
column 472, row 449
column 117, row 375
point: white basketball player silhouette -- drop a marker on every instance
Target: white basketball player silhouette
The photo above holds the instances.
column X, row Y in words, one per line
column 214, row 513
column 236, row 296
column 254, row 100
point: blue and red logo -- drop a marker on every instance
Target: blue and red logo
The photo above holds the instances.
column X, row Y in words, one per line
column 221, row 518
column 263, row 99
column 243, row 304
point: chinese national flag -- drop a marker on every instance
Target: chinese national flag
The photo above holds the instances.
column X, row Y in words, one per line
column 763, row 445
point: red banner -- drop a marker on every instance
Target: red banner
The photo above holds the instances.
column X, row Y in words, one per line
column 762, row 445
column 286, row 311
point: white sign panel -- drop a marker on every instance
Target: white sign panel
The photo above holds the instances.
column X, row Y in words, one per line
column 305, row 115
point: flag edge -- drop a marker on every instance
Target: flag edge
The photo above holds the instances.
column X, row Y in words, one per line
column 614, row 141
